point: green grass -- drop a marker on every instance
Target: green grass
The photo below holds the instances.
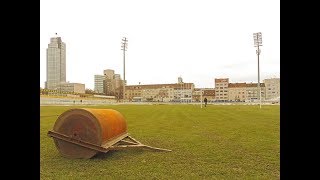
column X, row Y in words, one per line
column 216, row 142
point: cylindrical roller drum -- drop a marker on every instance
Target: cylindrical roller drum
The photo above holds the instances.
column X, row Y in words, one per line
column 96, row 126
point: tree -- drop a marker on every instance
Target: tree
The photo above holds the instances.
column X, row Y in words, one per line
column 89, row 91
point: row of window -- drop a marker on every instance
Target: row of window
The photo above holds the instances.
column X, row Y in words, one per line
column 221, row 85
column 231, row 92
column 221, row 94
column 222, row 91
column 221, row 97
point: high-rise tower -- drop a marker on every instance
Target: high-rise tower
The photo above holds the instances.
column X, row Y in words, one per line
column 56, row 63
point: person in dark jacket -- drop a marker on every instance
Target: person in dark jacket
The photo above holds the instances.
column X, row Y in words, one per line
column 205, row 102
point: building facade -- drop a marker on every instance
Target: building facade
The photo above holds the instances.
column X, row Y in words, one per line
column 56, row 63
column 252, row 92
column 109, row 84
column 272, row 88
column 221, row 89
column 109, row 73
column 98, row 83
column 237, row 92
column 73, row 87
column 118, row 82
column 208, row 93
column 177, row 92
column 183, row 91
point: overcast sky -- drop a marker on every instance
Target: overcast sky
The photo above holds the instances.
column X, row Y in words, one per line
column 199, row 40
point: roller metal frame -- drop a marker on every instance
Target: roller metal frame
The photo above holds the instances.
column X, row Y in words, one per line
column 121, row 142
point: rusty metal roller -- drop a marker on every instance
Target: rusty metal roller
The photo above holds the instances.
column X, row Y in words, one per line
column 83, row 132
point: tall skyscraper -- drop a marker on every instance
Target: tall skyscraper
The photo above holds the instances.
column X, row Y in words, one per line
column 98, row 83
column 56, row 63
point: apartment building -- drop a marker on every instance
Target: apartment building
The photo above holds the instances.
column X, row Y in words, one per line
column 160, row 92
column 208, row 93
column 221, row 89
column 272, row 88
column 252, row 90
column 237, row 92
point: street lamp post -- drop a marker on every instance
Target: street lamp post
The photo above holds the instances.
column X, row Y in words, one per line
column 201, row 97
column 124, row 46
column 257, row 43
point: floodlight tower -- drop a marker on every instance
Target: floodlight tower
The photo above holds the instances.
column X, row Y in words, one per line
column 124, row 47
column 257, row 37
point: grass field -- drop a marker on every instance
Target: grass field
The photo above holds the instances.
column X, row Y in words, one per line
column 216, row 142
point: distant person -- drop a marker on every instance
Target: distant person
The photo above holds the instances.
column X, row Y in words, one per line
column 205, row 102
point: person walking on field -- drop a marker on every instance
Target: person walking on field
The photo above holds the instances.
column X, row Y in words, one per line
column 205, row 102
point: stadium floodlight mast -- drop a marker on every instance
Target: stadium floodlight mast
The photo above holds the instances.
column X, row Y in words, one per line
column 257, row 37
column 124, row 47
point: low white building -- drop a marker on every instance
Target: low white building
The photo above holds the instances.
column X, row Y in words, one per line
column 73, row 87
